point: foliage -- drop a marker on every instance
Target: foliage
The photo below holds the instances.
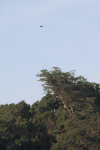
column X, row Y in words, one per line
column 65, row 120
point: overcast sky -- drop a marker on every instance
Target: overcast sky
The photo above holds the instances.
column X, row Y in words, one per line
column 70, row 40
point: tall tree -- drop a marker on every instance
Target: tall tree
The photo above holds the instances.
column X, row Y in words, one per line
column 67, row 88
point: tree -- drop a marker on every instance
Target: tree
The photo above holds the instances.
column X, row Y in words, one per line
column 20, row 129
column 67, row 88
column 48, row 125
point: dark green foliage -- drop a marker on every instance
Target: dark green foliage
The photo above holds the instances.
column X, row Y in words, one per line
column 69, row 119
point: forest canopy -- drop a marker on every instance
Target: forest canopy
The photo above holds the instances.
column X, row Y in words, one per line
column 68, row 119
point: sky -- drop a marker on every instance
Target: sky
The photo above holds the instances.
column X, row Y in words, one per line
column 70, row 40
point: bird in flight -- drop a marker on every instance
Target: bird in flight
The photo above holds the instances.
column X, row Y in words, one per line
column 41, row 26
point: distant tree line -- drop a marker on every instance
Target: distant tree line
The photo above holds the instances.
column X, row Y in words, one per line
column 69, row 119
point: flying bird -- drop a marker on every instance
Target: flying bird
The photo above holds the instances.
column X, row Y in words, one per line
column 41, row 26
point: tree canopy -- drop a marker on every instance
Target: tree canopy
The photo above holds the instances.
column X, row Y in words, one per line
column 68, row 119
